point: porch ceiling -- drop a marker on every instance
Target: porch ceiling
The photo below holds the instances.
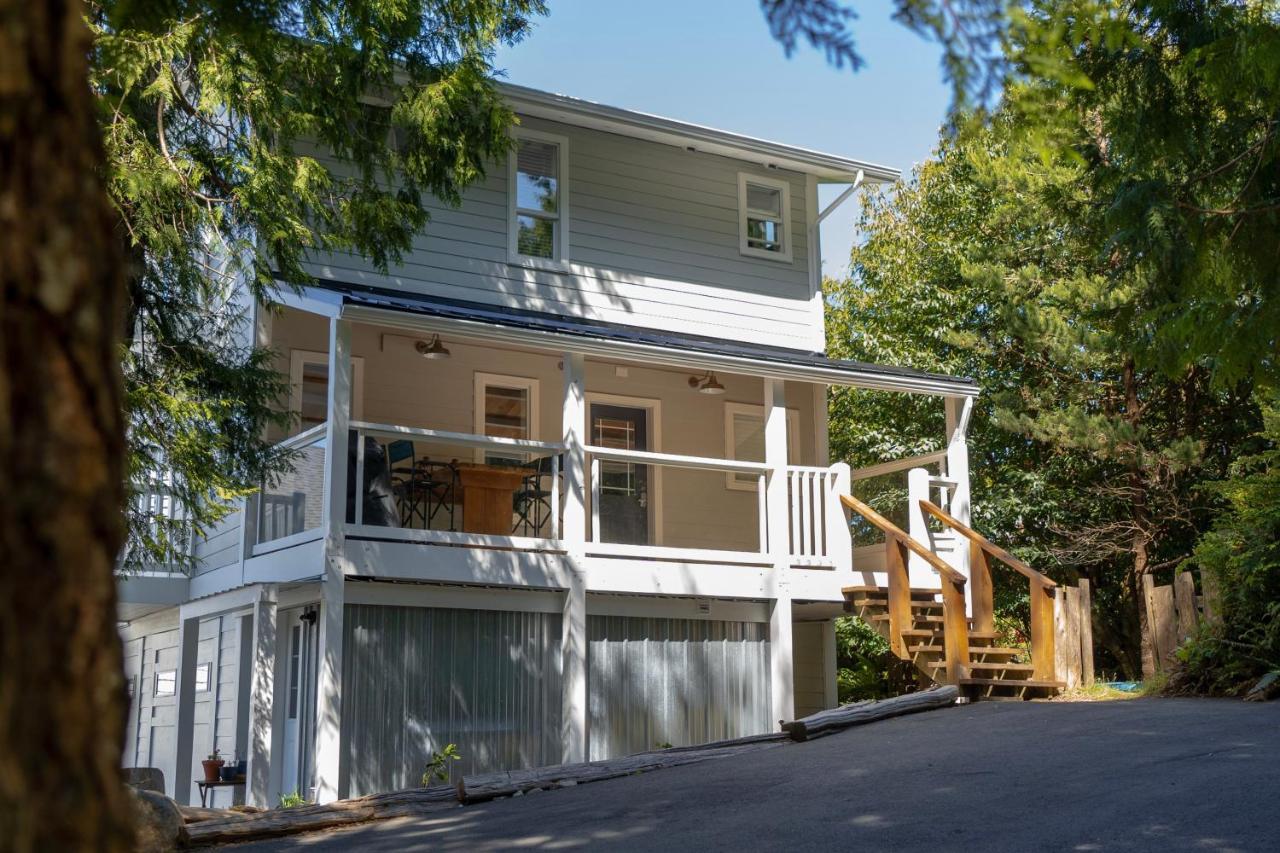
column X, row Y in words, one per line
column 615, row 341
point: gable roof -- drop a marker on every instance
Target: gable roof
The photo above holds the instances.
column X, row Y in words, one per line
column 582, row 113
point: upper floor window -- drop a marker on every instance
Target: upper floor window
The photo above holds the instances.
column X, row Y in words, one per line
column 764, row 217
column 539, row 215
column 506, row 407
column 309, row 387
column 744, row 440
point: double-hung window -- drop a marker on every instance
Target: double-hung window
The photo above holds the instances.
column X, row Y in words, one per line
column 764, row 217
column 506, row 407
column 538, row 207
column 744, row 440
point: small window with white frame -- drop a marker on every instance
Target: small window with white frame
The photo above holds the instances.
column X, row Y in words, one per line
column 537, row 201
column 506, row 407
column 744, row 441
column 204, row 677
column 764, row 217
column 166, row 683
column 309, row 387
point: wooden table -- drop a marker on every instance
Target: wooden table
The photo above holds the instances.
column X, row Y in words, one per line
column 205, row 786
column 488, row 497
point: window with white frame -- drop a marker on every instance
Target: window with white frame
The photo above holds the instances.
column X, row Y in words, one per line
column 744, row 440
column 166, row 683
column 764, row 217
column 204, row 677
column 538, row 207
column 506, row 407
column 309, row 387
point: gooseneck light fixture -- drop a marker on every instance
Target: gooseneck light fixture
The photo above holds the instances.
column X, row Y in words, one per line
column 706, row 384
column 434, row 349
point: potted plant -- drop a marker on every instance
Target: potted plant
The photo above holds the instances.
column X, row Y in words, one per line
column 212, row 766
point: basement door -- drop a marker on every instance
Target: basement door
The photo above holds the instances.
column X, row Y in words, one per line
column 297, row 767
column 626, row 508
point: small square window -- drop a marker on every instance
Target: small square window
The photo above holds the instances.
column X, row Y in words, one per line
column 166, row 683
column 204, row 677
column 764, row 217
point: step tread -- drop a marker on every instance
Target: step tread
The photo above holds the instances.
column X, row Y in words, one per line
column 916, row 592
column 1005, row 682
column 973, row 650
column 1010, row 667
column 875, row 602
column 929, row 632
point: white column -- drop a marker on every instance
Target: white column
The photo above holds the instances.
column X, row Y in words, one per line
column 831, row 690
column 782, row 680
column 332, row 588
column 959, row 411
column 184, row 729
column 261, row 683
column 573, row 641
column 918, row 571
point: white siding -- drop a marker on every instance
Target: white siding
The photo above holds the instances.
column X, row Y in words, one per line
column 653, row 237
column 151, row 646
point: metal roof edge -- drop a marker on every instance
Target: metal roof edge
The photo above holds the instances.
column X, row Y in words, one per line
column 573, row 110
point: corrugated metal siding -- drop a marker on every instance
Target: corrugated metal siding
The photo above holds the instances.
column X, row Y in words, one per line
column 416, row 678
column 677, row 681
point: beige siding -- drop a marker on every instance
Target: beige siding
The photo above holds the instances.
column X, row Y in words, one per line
column 697, row 508
column 653, row 237
column 810, row 671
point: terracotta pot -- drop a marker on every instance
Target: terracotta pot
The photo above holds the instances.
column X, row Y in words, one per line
column 212, row 766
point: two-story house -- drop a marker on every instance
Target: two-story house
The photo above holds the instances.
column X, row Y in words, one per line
column 562, row 489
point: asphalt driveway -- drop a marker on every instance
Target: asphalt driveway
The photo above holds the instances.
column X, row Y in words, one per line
column 1146, row 774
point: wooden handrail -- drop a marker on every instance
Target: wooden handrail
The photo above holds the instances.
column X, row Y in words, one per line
column 893, row 531
column 985, row 544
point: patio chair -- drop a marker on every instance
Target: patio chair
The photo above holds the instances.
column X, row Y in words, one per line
column 533, row 500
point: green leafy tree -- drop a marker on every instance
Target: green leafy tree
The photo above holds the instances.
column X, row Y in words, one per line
column 239, row 137
column 992, row 263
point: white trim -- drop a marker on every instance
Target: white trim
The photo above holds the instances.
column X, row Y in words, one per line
column 302, row 537
column 482, row 381
column 683, row 555
column 560, row 261
column 651, row 355
column 745, row 213
column 638, row 125
column 754, row 410
column 654, row 407
column 453, row 537
column 299, row 357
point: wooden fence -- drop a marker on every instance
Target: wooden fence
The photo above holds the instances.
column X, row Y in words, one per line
column 1073, row 634
column 1174, row 610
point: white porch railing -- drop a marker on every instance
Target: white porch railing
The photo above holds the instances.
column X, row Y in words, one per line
column 164, row 515
column 818, row 525
column 599, row 455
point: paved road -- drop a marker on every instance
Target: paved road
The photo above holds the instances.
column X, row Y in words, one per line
column 1147, row 774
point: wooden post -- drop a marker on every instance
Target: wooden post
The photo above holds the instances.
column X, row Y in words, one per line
column 955, row 635
column 1184, row 595
column 1042, row 641
column 899, row 595
column 1209, row 589
column 1086, row 633
column 1148, row 604
column 980, row 592
column 1069, row 639
column 1165, row 627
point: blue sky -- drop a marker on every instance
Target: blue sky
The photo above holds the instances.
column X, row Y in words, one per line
column 713, row 62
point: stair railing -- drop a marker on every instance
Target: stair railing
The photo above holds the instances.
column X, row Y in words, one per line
column 1042, row 590
column 898, row 548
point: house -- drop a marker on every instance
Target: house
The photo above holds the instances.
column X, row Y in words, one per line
column 561, row 489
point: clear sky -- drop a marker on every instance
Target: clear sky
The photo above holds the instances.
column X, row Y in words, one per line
column 713, row 62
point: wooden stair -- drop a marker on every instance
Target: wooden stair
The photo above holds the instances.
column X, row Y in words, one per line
column 992, row 670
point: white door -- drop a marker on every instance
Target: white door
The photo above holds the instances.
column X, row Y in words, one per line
column 300, row 693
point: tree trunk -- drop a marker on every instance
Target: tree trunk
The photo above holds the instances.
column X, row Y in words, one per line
column 62, row 697
column 1142, row 524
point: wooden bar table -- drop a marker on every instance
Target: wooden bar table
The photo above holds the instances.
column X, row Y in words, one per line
column 488, row 497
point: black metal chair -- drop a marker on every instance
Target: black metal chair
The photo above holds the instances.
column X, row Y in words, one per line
column 438, row 484
column 533, row 500
column 404, row 482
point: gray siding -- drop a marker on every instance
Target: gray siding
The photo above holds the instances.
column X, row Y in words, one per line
column 152, row 647
column 222, row 545
column 676, row 681
column 416, row 679
column 653, row 242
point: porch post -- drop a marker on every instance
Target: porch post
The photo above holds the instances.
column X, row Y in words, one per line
column 782, row 681
column 959, row 411
column 573, row 640
column 261, row 660
column 328, row 762
column 184, row 729
column 830, row 668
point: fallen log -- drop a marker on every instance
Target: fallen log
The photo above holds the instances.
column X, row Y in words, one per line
column 268, row 824
column 825, row 722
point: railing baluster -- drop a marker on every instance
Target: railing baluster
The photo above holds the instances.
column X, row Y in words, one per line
column 555, row 496
column 762, row 514
column 358, row 485
column 595, row 499
column 794, row 498
column 805, row 513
